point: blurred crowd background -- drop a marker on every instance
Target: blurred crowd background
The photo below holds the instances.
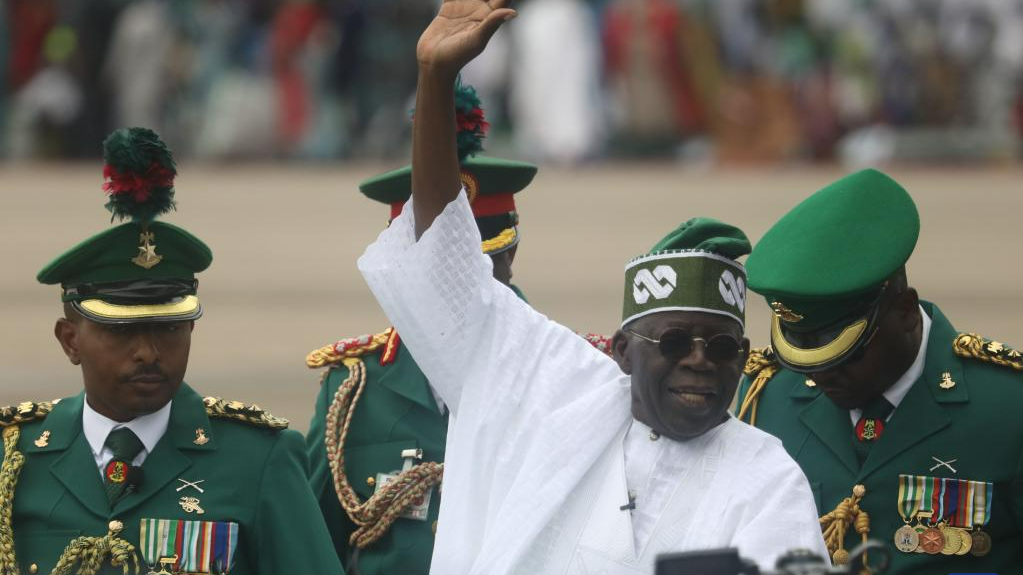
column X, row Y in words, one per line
column 701, row 81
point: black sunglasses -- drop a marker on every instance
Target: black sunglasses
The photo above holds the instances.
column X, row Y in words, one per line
column 675, row 344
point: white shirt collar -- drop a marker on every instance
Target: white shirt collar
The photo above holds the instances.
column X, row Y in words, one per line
column 897, row 392
column 900, row 388
column 149, row 428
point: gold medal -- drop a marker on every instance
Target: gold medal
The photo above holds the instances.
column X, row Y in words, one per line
column 932, row 541
column 953, row 541
column 906, row 539
column 967, row 542
column 981, row 543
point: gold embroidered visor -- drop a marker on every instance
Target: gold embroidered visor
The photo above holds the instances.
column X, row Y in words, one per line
column 185, row 308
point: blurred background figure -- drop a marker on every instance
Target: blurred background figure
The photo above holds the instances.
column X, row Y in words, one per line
column 744, row 81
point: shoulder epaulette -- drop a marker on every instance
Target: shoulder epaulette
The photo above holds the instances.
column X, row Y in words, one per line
column 353, row 347
column 761, row 366
column 758, row 360
column 238, row 411
column 601, row 342
column 976, row 347
column 25, row 412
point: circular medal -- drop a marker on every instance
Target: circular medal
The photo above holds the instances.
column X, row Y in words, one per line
column 967, row 542
column 932, row 541
column 906, row 539
column 952, row 541
column 919, row 531
column 981, row 543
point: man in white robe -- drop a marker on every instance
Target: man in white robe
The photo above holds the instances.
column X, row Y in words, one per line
column 558, row 462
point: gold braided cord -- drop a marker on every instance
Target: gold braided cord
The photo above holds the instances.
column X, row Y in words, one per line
column 9, row 471
column 375, row 515
column 974, row 346
column 835, row 525
column 330, row 355
column 89, row 553
column 238, row 411
column 761, row 363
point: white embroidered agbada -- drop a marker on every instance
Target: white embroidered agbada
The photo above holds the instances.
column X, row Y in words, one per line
column 534, row 473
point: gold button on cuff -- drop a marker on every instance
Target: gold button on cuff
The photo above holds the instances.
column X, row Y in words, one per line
column 371, row 481
column 33, row 568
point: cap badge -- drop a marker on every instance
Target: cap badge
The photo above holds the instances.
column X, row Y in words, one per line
column 471, row 184
column 147, row 257
column 784, row 313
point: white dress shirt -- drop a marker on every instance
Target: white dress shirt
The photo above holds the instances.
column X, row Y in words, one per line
column 901, row 387
column 148, row 428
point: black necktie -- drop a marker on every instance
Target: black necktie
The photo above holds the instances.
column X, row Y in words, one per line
column 126, row 446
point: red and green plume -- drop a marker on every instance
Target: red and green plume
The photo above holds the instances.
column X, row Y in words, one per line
column 472, row 125
column 139, row 175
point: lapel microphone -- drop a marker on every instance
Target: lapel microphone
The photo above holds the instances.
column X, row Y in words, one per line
column 134, row 479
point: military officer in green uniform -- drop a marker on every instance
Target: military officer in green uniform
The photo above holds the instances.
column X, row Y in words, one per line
column 907, row 428
column 376, row 441
column 139, row 473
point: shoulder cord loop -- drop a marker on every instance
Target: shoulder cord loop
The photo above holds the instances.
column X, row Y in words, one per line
column 90, row 551
column 835, row 524
column 765, row 370
column 374, row 516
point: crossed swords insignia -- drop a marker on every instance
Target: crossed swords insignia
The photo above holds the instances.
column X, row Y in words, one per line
column 185, row 484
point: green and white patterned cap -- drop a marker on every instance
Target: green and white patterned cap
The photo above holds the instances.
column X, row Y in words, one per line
column 692, row 269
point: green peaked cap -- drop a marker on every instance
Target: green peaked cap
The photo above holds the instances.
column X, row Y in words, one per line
column 823, row 265
column 139, row 271
column 490, row 183
column 693, row 268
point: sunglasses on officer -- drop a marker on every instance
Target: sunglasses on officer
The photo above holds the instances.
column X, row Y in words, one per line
column 676, row 343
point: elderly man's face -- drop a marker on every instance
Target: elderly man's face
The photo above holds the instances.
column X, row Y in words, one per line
column 682, row 397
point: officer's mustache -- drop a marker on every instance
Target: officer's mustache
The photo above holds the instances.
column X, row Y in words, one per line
column 147, row 372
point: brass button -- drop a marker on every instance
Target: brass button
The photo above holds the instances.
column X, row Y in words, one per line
column 115, row 526
column 33, row 568
column 371, row 481
column 810, row 383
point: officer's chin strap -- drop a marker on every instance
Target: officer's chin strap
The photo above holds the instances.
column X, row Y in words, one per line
column 374, row 516
column 90, row 551
column 836, row 524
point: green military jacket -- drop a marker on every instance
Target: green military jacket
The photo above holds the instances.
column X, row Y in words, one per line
column 962, row 410
column 396, row 411
column 250, row 470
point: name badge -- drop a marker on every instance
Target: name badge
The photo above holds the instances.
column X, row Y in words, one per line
column 419, row 510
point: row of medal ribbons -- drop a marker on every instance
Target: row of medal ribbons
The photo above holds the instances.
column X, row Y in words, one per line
column 944, row 515
column 179, row 546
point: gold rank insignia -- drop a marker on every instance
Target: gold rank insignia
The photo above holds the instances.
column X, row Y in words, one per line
column 200, row 437
column 43, row 440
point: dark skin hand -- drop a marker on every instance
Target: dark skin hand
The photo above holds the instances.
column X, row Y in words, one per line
column 128, row 370
column 685, row 398
column 458, row 33
column 885, row 358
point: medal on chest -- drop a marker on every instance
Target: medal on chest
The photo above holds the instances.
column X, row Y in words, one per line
column 949, row 513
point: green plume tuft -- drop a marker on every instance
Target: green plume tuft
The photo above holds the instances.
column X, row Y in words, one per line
column 139, row 175
column 472, row 125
